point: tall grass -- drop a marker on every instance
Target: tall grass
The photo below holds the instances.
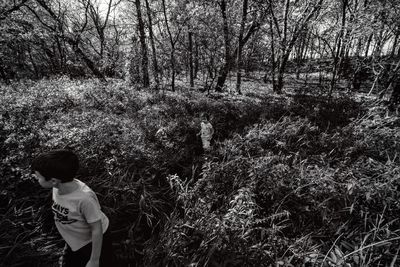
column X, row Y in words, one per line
column 296, row 181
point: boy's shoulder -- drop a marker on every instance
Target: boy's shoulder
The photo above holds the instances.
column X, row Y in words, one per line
column 82, row 191
column 86, row 189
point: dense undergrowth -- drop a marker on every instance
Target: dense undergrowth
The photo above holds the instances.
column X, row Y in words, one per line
column 291, row 181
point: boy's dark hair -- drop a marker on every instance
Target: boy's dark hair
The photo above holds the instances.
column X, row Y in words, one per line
column 62, row 164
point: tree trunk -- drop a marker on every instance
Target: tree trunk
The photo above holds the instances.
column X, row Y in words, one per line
column 273, row 66
column 395, row 83
column 191, row 59
column 88, row 61
column 378, row 47
column 395, row 97
column 173, row 75
column 340, row 47
column 358, row 49
column 288, row 41
column 35, row 69
column 302, row 51
column 196, row 58
column 240, row 48
column 230, row 58
column 281, row 71
column 172, row 54
column 61, row 53
column 99, row 26
column 395, row 41
column 153, row 46
column 248, row 67
column 368, row 45
column 223, row 74
column 144, row 56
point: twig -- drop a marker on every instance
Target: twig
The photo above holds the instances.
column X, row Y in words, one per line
column 333, row 245
column 395, row 258
column 371, row 245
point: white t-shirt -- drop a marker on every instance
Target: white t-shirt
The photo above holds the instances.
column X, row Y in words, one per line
column 207, row 130
column 74, row 211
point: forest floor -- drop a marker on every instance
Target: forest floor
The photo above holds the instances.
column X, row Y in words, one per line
column 298, row 179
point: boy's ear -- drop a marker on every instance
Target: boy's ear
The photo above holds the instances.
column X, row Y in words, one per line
column 55, row 181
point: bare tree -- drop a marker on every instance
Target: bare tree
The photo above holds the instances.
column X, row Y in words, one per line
column 173, row 39
column 229, row 55
column 289, row 30
column 73, row 40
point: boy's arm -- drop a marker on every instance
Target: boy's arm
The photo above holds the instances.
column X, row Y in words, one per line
column 97, row 242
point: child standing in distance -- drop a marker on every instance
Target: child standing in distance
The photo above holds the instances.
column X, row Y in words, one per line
column 206, row 132
column 162, row 137
column 77, row 213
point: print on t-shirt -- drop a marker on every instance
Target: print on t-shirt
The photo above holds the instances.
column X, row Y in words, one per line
column 61, row 214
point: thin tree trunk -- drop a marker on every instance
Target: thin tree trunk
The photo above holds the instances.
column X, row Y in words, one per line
column 172, row 54
column 33, row 63
column 247, row 61
column 272, row 56
column 191, row 59
column 287, row 43
column 395, row 41
column 368, row 45
column 347, row 38
column 196, row 58
column 239, row 54
column 283, row 50
column 302, row 51
column 358, row 49
column 99, row 26
column 378, row 47
column 226, row 67
column 153, row 46
column 61, row 54
column 144, row 56
column 340, row 44
column 230, row 58
column 281, row 71
column 320, row 51
column 87, row 60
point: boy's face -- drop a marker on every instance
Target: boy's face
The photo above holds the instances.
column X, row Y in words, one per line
column 42, row 181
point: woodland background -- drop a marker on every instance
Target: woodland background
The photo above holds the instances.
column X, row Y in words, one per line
column 303, row 96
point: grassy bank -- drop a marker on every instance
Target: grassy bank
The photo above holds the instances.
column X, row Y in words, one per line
column 291, row 179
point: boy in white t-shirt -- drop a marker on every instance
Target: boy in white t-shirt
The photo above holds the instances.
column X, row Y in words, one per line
column 77, row 213
column 206, row 132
